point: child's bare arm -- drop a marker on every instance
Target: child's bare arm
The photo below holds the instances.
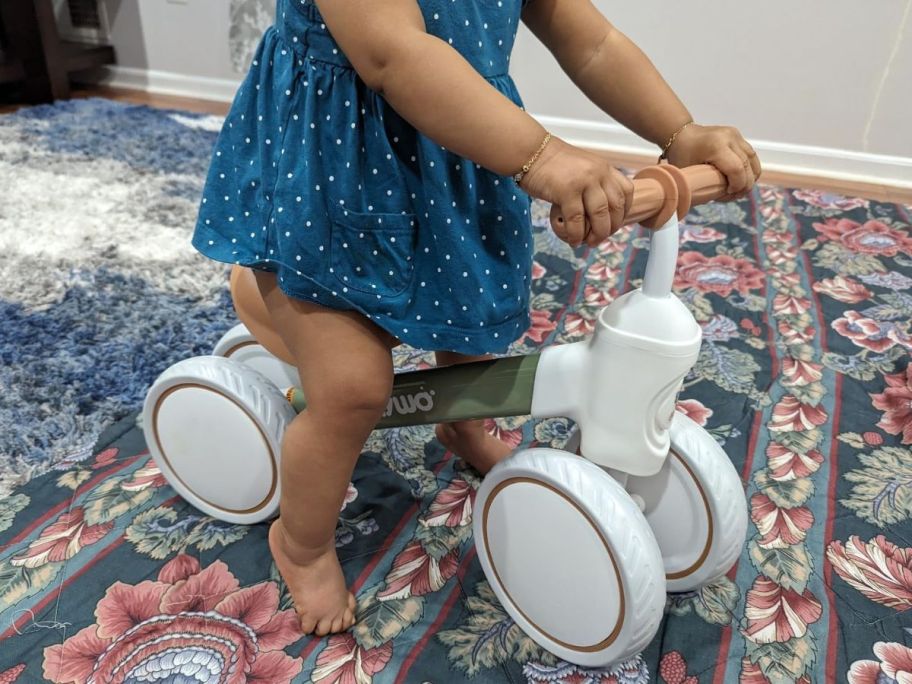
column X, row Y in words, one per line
column 436, row 90
column 430, row 84
column 615, row 74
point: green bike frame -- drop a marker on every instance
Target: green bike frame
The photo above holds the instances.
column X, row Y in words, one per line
column 482, row 389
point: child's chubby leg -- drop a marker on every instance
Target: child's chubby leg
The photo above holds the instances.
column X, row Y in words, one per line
column 346, row 372
column 468, row 439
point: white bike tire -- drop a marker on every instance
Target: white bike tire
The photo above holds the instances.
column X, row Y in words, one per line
column 240, row 344
column 214, row 428
column 579, row 569
column 696, row 508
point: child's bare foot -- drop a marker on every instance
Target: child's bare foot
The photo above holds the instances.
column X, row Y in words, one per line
column 314, row 578
column 470, row 441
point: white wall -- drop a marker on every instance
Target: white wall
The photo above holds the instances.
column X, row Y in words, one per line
column 833, row 74
column 819, row 86
column 174, row 46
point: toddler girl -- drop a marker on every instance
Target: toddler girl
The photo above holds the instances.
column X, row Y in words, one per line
column 375, row 169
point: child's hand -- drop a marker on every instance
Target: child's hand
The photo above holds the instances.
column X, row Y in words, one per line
column 724, row 148
column 590, row 196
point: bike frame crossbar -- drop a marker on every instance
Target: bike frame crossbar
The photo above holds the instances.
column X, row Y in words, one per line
column 482, row 389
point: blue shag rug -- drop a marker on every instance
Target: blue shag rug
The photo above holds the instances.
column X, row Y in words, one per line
column 99, row 288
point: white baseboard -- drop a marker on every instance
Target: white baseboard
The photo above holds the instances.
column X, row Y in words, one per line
column 804, row 160
column 167, row 83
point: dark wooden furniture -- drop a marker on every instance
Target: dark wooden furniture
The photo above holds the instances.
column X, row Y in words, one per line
column 35, row 56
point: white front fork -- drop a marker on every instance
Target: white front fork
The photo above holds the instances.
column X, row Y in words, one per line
column 621, row 384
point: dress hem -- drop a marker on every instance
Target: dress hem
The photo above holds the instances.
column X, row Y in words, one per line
column 494, row 340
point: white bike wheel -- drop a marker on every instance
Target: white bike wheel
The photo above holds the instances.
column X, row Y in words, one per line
column 214, row 427
column 570, row 556
column 696, row 507
column 239, row 344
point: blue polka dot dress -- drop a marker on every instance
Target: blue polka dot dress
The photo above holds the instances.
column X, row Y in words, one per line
column 315, row 177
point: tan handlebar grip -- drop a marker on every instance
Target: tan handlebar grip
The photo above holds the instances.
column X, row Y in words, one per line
column 648, row 199
column 706, row 183
column 656, row 189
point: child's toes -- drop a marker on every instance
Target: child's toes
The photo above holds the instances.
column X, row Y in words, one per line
column 308, row 624
column 324, row 627
column 348, row 619
column 337, row 624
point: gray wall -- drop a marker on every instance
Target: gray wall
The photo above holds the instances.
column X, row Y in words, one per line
column 792, row 72
column 829, row 73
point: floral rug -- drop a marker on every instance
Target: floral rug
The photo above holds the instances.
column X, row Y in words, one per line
column 106, row 575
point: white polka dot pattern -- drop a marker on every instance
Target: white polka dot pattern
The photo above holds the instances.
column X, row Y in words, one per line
column 364, row 212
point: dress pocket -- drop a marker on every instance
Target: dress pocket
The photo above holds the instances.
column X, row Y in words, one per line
column 373, row 253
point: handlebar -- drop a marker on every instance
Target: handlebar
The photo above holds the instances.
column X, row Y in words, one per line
column 661, row 190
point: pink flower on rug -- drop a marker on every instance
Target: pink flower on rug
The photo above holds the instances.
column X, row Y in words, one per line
column 750, row 326
column 452, row 507
column 601, row 272
column 788, row 304
column 701, row 234
column 829, row 200
column 105, row 458
column 794, row 335
column 785, row 281
column 776, row 614
column 870, row 237
column 785, row 464
column 695, row 410
column 416, row 573
column 538, row 271
column 798, row 373
column 896, row 403
column 872, row 438
column 780, row 527
column 513, row 437
column 577, row 324
column 751, row 673
column 542, row 326
column 673, row 669
column 11, row 675
column 783, row 253
column 790, row 415
column 595, row 297
column 350, row 495
column 878, row 336
column 147, row 476
column 613, row 245
column 188, row 620
column 894, row 666
column 879, row 569
column 720, row 274
column 343, row 661
column 843, row 289
column 61, row 540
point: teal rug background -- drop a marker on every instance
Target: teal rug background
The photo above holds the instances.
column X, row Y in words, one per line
column 803, row 377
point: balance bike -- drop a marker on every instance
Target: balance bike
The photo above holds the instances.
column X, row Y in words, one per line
column 580, row 550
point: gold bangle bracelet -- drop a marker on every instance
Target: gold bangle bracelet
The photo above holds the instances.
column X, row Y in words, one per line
column 671, row 140
column 528, row 165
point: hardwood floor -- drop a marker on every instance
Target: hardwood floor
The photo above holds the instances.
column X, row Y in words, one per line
column 140, row 97
column 876, row 191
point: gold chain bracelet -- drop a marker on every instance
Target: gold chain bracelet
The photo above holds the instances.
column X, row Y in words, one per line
column 528, row 165
column 671, row 140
